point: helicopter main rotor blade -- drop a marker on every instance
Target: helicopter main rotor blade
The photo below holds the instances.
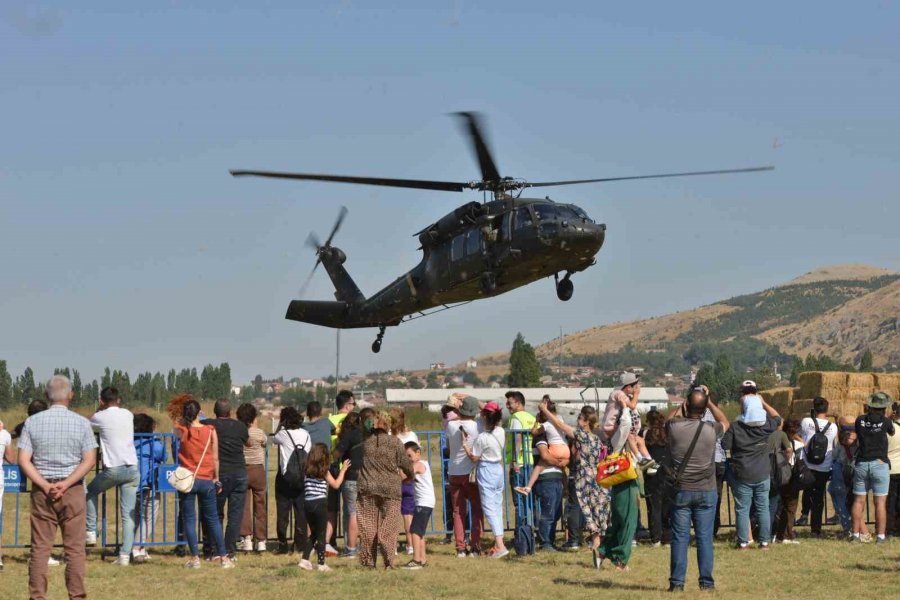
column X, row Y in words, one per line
column 419, row 184
column 574, row 181
column 337, row 225
column 471, row 124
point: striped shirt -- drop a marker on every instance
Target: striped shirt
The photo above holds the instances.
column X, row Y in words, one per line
column 57, row 439
column 315, row 489
column 255, row 450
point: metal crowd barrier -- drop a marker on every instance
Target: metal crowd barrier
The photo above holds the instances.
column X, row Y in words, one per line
column 166, row 530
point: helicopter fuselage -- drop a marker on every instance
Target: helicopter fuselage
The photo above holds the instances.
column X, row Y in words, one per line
column 476, row 251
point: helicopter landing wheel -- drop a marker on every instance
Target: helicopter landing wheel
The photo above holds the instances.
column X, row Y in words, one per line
column 564, row 289
column 376, row 345
column 488, row 283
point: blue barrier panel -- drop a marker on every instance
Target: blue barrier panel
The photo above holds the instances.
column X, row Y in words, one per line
column 13, row 479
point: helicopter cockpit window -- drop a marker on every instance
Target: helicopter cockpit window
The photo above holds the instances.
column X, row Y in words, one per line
column 458, row 247
column 581, row 214
column 523, row 218
column 568, row 214
column 473, row 242
column 545, row 212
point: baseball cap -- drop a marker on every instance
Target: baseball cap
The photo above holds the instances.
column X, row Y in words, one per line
column 628, row 378
column 491, row 407
column 748, row 383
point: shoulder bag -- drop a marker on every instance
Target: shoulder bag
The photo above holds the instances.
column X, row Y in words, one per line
column 182, row 479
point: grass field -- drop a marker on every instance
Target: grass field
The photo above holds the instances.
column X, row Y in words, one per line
column 813, row 569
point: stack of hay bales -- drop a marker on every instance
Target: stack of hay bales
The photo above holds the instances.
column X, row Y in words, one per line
column 846, row 393
column 780, row 399
column 888, row 383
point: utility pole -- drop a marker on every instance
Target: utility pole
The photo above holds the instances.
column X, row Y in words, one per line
column 337, row 370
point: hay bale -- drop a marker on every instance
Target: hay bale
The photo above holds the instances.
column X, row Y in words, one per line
column 815, row 383
column 833, row 394
column 797, row 395
column 801, row 408
column 782, row 398
column 860, row 380
column 888, row 383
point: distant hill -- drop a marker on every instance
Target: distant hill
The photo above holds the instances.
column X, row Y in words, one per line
column 840, row 311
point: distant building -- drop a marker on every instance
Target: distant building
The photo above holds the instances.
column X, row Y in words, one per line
column 437, row 366
column 471, row 363
column 236, row 390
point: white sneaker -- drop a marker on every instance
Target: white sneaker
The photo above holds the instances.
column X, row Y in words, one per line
column 52, row 562
column 323, row 568
column 246, row 544
column 260, row 546
column 409, row 550
column 330, row 551
column 305, row 565
column 90, row 538
column 123, row 561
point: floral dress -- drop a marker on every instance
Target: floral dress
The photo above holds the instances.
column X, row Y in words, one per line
column 592, row 497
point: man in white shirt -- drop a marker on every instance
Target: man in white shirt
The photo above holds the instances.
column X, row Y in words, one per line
column 120, row 468
column 461, row 431
column 821, row 471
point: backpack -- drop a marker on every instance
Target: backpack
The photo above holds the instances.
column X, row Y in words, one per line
column 523, row 540
column 802, row 476
column 817, row 448
column 295, row 471
column 782, row 472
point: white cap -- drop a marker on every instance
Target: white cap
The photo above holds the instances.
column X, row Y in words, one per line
column 749, row 383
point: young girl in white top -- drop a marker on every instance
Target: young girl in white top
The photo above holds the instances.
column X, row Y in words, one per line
column 315, row 502
column 487, row 453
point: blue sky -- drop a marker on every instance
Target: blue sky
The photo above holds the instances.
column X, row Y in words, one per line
column 125, row 241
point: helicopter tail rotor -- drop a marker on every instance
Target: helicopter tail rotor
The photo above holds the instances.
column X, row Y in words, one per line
column 313, row 241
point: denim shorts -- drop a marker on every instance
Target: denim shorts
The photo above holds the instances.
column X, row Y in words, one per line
column 421, row 519
column 348, row 492
column 871, row 475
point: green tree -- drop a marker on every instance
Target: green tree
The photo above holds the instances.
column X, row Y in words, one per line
column 27, row 391
column 170, row 382
column 6, row 387
column 796, row 369
column 257, row 386
column 431, row 380
column 472, row 378
column 77, row 389
column 865, row 362
column 524, row 368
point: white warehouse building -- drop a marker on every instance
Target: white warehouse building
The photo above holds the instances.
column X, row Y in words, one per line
column 568, row 400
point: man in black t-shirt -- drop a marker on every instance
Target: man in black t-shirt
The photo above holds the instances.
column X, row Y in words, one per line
column 872, row 469
column 232, row 435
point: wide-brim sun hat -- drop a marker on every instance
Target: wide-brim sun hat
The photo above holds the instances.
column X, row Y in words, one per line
column 469, row 407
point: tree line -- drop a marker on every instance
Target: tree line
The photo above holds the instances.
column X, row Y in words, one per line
column 146, row 389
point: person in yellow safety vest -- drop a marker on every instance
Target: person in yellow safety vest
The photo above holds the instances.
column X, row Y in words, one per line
column 345, row 403
column 517, row 455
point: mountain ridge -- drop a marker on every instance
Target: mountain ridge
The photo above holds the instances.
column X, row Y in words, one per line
column 837, row 310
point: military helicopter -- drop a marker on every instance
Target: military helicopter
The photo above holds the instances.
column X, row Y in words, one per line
column 478, row 250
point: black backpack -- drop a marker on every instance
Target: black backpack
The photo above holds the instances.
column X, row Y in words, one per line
column 817, row 448
column 802, row 477
column 295, row 472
